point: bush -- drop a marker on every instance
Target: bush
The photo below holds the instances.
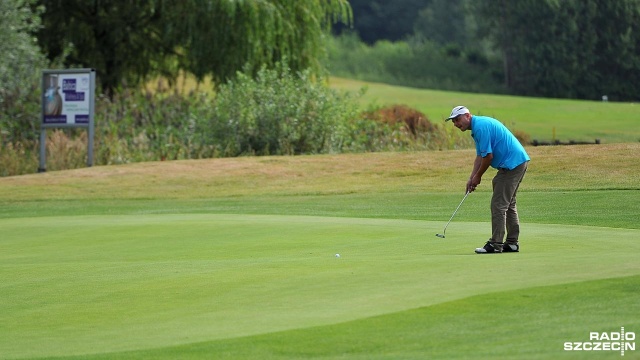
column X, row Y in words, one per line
column 401, row 128
column 523, row 137
column 412, row 120
column 138, row 126
column 277, row 113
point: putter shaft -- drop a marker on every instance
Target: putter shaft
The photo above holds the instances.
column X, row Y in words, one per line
column 454, row 214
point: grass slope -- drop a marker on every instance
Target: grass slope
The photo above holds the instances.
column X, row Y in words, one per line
column 234, row 258
column 451, row 330
column 107, row 283
column 572, row 119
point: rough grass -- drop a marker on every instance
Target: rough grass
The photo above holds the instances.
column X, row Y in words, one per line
column 580, row 167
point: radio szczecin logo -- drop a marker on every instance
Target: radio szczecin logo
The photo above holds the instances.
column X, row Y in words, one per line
column 607, row 341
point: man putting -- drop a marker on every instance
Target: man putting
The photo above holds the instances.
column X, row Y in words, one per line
column 496, row 147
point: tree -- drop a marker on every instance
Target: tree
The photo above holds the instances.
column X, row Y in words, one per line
column 223, row 36
column 445, row 22
column 375, row 20
column 20, row 62
column 130, row 40
column 617, row 50
column 569, row 48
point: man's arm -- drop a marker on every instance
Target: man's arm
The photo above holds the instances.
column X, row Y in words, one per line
column 480, row 165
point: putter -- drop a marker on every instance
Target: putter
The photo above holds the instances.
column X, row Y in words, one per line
column 454, row 214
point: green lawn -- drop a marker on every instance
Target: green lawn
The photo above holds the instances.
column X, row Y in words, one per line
column 235, row 259
column 576, row 120
column 229, row 283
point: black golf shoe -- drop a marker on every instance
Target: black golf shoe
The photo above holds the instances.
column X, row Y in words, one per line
column 511, row 247
column 490, row 248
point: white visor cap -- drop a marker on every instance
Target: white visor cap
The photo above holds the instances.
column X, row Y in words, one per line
column 458, row 110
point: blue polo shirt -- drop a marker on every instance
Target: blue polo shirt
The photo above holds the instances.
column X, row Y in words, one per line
column 492, row 137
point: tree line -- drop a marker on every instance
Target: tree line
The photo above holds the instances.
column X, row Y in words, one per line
column 580, row 49
column 553, row 48
column 128, row 41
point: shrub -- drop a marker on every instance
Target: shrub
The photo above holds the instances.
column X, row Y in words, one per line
column 523, row 137
column 412, row 120
column 277, row 113
column 399, row 128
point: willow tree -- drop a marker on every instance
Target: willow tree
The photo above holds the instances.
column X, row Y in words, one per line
column 222, row 36
column 131, row 40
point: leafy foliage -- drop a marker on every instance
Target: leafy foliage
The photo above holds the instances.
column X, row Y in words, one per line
column 375, row 20
column 20, row 61
column 278, row 112
column 127, row 41
column 574, row 48
column 565, row 49
column 417, row 63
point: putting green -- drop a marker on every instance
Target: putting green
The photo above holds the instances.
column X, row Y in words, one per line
column 97, row 284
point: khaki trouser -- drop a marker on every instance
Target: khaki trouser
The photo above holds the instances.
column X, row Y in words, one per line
column 504, row 214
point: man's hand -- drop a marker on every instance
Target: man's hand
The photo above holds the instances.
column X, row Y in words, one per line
column 473, row 183
column 480, row 165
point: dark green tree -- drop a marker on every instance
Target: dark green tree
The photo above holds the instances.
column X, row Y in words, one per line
column 130, row 40
column 616, row 57
column 570, row 48
column 375, row 20
column 445, row 22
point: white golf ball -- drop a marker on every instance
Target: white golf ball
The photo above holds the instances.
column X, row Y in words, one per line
column 337, row 255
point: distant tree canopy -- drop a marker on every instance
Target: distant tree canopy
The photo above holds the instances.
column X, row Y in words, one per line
column 554, row 48
column 129, row 40
column 569, row 49
column 375, row 20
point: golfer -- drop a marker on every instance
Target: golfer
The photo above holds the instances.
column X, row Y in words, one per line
column 496, row 147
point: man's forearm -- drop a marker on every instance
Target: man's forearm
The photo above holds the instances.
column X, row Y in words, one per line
column 481, row 164
column 476, row 166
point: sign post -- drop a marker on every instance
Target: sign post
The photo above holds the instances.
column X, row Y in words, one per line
column 68, row 102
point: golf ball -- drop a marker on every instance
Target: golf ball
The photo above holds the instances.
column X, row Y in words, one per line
column 337, row 255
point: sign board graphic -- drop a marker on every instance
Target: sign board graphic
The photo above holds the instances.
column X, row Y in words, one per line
column 68, row 101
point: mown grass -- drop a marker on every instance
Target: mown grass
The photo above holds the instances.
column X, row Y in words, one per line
column 576, row 120
column 240, row 286
column 453, row 330
column 234, row 258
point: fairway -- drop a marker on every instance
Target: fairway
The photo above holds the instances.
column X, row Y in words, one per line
column 541, row 118
column 236, row 259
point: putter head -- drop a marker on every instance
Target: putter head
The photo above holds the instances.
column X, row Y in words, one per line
column 440, row 235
